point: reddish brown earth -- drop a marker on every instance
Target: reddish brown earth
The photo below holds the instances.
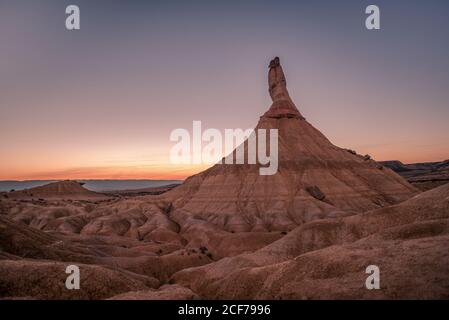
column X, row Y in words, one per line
column 63, row 190
column 307, row 232
column 327, row 258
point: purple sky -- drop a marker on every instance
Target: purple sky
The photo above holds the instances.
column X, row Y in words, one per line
column 101, row 102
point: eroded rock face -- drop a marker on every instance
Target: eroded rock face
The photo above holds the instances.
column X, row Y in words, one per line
column 236, row 198
column 68, row 190
column 283, row 106
column 46, row 280
column 327, row 259
column 308, row 231
column 33, row 263
column 167, row 292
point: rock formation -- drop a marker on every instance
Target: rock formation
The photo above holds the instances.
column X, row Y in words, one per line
column 306, row 232
column 283, row 106
column 236, row 198
column 424, row 176
column 61, row 190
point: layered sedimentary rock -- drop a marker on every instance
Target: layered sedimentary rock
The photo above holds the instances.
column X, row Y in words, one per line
column 308, row 231
column 315, row 179
column 67, row 190
column 327, row 259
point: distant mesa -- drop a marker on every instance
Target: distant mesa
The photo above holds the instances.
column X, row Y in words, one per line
column 424, row 175
column 61, row 190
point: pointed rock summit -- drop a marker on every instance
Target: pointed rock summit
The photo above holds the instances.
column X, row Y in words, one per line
column 283, row 106
column 315, row 179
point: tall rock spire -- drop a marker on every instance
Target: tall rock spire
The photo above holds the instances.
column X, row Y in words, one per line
column 283, row 106
column 315, row 180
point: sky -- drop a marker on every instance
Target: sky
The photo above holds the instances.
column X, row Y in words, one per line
column 100, row 102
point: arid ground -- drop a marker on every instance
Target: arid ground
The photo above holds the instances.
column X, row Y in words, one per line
column 307, row 232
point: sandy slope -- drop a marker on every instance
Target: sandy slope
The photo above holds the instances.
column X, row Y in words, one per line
column 61, row 190
column 309, row 231
column 328, row 258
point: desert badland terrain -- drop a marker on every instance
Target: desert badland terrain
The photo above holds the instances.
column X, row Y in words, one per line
column 307, row 232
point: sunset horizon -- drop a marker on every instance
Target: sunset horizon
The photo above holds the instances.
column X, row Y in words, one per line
column 232, row 157
column 97, row 110
column 166, row 171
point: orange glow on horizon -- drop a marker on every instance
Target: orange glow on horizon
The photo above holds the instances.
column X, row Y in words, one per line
column 109, row 173
column 181, row 172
